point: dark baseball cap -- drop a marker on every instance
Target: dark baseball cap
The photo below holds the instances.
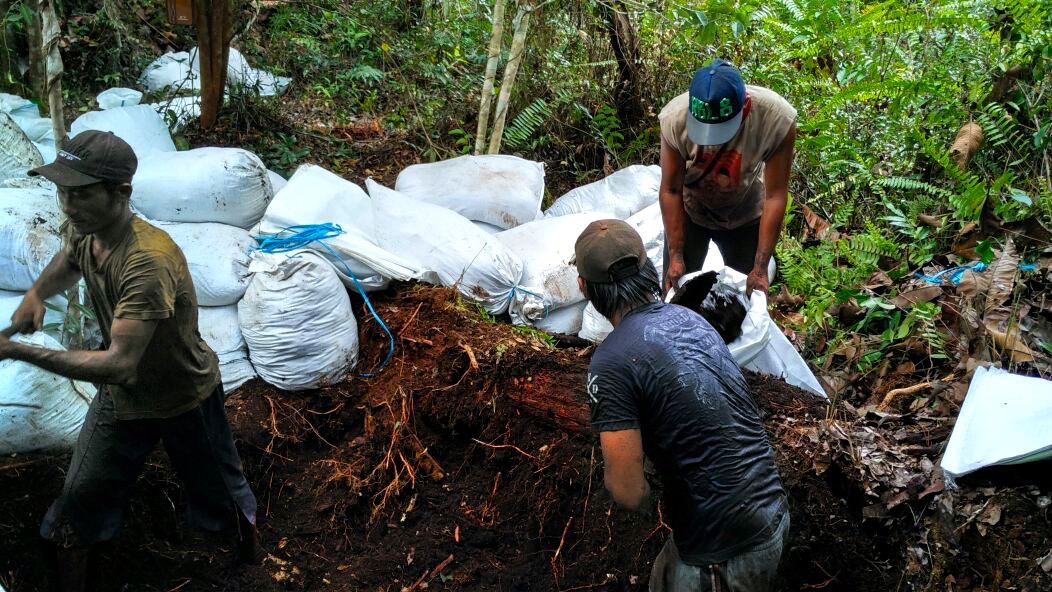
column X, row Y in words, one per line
column 91, row 157
column 717, row 97
column 608, row 251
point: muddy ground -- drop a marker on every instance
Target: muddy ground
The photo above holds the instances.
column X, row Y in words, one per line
column 467, row 465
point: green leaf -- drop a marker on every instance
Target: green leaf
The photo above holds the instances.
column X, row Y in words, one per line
column 1020, row 196
column 985, row 250
column 1046, row 346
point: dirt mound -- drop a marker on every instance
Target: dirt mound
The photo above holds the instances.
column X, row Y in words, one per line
column 467, row 464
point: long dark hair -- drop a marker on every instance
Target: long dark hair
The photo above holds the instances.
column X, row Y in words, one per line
column 613, row 299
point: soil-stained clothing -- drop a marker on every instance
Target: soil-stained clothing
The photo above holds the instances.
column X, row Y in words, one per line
column 666, row 372
column 728, row 193
column 146, row 278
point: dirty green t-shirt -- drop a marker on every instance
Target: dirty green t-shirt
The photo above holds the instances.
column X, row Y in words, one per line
column 731, row 195
column 145, row 278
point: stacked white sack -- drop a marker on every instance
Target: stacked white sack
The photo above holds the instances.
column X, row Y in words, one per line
column 17, row 154
column 29, row 235
column 316, row 196
column 622, row 194
column 220, row 329
column 501, row 190
column 38, row 129
column 297, row 321
column 181, row 71
column 140, row 126
column 277, row 181
column 112, row 98
column 443, row 241
column 549, row 281
column 224, row 185
column 40, row 410
column 218, row 258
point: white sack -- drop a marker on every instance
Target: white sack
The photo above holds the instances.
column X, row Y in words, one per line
column 220, row 329
column 487, row 228
column 53, row 319
column 316, row 196
column 38, row 409
column 38, row 129
column 29, row 237
column 443, row 241
column 566, row 320
column 241, row 76
column 297, row 321
column 177, row 112
column 549, row 281
column 594, row 326
column 502, row 190
column 622, row 194
column 171, row 73
column 224, row 185
column 17, row 153
column 140, row 126
column 218, row 257
column 276, row 181
column 1004, row 419
column 118, row 97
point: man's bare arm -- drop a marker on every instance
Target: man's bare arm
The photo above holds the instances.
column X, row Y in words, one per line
column 623, row 468
column 776, row 197
column 670, row 196
column 60, row 274
column 116, row 365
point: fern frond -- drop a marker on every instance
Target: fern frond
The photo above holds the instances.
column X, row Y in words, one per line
column 527, row 122
column 908, row 184
column 1000, row 129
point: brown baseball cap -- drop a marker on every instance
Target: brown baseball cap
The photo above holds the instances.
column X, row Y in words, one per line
column 91, row 157
column 608, row 251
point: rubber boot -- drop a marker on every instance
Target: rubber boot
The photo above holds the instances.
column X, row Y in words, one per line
column 73, row 568
column 249, row 550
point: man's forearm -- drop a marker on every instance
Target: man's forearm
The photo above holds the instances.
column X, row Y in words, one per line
column 58, row 276
column 672, row 217
column 770, row 227
column 90, row 366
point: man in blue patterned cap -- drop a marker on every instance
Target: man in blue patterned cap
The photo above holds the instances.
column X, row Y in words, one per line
column 726, row 152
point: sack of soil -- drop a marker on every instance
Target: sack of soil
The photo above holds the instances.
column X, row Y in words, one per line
column 448, row 244
column 17, row 153
column 218, row 257
column 39, row 410
column 171, row 73
column 501, row 190
column 297, row 321
column 220, row 329
column 140, row 126
column 29, row 235
column 316, row 196
column 566, row 320
column 224, row 185
column 622, row 194
column 112, row 98
column 549, row 280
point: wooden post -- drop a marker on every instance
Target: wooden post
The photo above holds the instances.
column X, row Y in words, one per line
column 213, row 50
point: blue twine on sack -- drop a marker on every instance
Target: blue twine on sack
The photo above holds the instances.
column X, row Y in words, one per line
column 301, row 236
column 954, row 274
column 511, row 296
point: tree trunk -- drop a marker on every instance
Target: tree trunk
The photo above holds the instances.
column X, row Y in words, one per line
column 518, row 49
column 213, row 42
column 491, row 74
column 625, row 45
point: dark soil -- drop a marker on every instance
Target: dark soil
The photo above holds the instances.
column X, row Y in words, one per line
column 467, row 464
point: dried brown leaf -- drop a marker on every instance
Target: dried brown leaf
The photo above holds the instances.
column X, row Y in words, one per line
column 919, row 296
column 966, row 144
column 1002, row 273
column 820, row 228
column 1010, row 341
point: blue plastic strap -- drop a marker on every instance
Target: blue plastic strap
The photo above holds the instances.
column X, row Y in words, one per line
column 301, row 236
column 511, row 295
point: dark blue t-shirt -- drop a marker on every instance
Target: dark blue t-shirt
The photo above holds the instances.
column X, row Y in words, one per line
column 665, row 371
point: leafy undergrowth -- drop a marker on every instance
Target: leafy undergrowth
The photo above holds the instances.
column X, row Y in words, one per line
column 467, row 464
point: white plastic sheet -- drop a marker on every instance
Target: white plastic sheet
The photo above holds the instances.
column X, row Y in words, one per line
column 622, row 194
column 220, row 329
column 224, row 185
column 443, row 241
column 29, row 238
column 218, row 257
column 549, row 281
column 118, row 97
column 140, row 126
column 1004, row 419
column 316, row 196
column 501, row 190
column 39, row 410
column 297, row 321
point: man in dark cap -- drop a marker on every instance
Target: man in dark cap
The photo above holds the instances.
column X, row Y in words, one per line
column 158, row 379
column 664, row 384
column 726, row 151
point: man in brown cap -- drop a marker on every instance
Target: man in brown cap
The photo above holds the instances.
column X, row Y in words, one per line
column 664, row 384
column 158, row 379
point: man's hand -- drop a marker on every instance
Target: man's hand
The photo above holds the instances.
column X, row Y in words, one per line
column 29, row 316
column 676, row 269
column 757, row 280
column 5, row 345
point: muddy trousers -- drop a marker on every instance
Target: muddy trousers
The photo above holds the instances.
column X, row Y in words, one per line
column 755, row 570
column 109, row 457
